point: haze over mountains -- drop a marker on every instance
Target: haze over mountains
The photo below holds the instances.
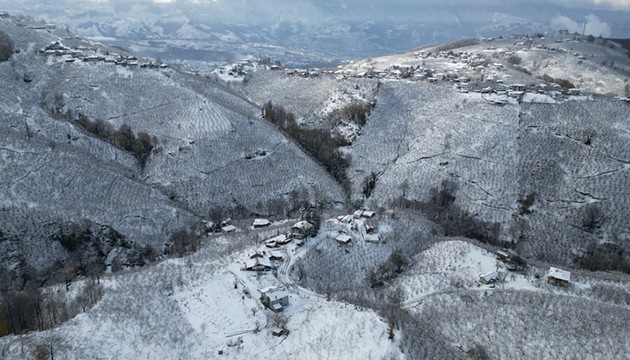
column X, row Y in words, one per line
column 315, row 32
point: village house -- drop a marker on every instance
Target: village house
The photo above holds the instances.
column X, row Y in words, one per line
column 302, row 229
column 488, row 278
column 558, row 277
column 275, row 300
column 277, row 240
column 257, row 264
column 372, row 238
column 343, row 239
column 258, row 223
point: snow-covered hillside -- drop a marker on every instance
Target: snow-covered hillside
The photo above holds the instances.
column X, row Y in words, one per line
column 66, row 159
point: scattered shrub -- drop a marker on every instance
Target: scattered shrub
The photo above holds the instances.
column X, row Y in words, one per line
column 526, row 203
column 357, row 113
column 388, row 270
column 368, row 185
column 514, row 60
column 593, row 218
column 140, row 145
column 6, row 46
column 457, row 44
column 440, row 208
column 605, row 257
column 184, row 241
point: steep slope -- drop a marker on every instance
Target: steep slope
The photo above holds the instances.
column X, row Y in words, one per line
column 66, row 159
column 568, row 158
column 541, row 169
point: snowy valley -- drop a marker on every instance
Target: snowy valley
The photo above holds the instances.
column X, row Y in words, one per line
column 461, row 201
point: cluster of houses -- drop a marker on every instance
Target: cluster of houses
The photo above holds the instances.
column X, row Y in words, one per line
column 270, row 259
column 356, row 224
column 305, row 73
column 88, row 54
column 241, row 68
column 555, row 276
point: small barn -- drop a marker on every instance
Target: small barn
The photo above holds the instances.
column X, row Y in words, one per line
column 488, row 278
column 343, row 239
column 368, row 214
column 228, row 228
column 558, row 277
column 502, row 256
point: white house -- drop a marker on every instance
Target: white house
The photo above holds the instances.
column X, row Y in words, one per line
column 228, row 228
column 558, row 277
column 302, row 229
column 261, row 223
column 257, row 264
column 488, row 278
column 276, row 300
column 343, row 239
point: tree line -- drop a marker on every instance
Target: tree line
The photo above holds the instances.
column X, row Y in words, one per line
column 40, row 309
column 321, row 144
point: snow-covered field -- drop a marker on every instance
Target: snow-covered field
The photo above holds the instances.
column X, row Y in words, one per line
column 189, row 308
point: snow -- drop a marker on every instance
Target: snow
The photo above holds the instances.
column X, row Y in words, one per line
column 538, row 98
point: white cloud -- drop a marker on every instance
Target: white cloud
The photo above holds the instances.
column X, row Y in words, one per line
column 619, row 4
column 594, row 26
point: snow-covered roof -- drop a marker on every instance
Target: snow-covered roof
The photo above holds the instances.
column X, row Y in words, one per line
column 503, row 253
column 343, row 238
column 228, row 228
column 489, row 276
column 261, row 222
column 372, row 238
column 345, row 219
column 559, row 274
column 303, row 225
column 277, row 295
column 357, row 214
column 368, row 214
column 276, row 254
column 278, row 239
column 261, row 261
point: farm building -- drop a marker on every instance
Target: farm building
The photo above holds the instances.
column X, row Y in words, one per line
column 343, row 239
column 488, row 278
column 302, row 229
column 558, row 277
column 228, row 228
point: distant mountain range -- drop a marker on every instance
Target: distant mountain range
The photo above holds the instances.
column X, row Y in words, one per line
column 315, row 34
